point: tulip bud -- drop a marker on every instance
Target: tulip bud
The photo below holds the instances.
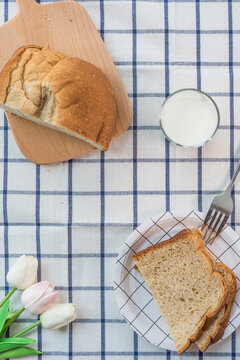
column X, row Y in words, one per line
column 58, row 315
column 38, row 297
column 23, row 273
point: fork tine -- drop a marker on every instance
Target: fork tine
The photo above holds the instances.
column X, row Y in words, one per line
column 206, row 228
column 204, row 225
column 221, row 226
column 209, row 213
column 210, row 224
column 212, row 229
column 213, row 218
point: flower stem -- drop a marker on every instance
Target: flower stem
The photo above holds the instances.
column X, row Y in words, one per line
column 7, row 296
column 23, row 331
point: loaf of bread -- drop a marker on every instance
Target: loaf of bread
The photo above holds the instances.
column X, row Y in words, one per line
column 214, row 329
column 184, row 284
column 65, row 93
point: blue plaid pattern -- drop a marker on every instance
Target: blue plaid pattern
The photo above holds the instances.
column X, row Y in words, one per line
column 74, row 216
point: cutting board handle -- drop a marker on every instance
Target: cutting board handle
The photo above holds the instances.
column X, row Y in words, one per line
column 25, row 4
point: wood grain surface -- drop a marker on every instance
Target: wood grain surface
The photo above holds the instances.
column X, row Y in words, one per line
column 64, row 26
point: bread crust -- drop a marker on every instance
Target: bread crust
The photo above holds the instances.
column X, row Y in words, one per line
column 227, row 305
column 232, row 291
column 196, row 236
column 10, row 66
column 88, row 94
column 82, row 103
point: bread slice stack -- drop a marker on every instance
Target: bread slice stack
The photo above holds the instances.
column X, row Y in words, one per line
column 194, row 293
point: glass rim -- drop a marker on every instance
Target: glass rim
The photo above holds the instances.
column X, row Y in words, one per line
column 215, row 106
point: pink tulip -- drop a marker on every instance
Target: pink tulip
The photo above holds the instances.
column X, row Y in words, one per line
column 38, row 297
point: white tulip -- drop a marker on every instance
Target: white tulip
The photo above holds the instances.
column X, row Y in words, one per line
column 23, row 273
column 58, row 315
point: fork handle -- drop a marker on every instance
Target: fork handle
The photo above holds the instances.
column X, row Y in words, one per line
column 236, row 172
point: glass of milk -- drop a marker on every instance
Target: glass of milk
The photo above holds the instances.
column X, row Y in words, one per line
column 189, row 118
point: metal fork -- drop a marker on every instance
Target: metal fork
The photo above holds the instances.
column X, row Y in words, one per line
column 219, row 212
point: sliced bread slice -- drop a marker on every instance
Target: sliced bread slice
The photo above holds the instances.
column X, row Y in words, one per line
column 184, row 284
column 214, row 329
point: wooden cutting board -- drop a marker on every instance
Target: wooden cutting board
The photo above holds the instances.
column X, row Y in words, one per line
column 64, row 26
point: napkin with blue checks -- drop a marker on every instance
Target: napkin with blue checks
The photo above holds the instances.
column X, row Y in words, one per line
column 74, row 216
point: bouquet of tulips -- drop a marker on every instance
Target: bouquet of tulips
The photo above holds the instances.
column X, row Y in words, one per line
column 37, row 298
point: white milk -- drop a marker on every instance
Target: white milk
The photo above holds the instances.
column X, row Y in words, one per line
column 189, row 118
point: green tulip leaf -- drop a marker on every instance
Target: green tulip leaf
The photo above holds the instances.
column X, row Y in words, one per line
column 3, row 332
column 9, row 321
column 12, row 343
column 4, row 314
column 19, row 352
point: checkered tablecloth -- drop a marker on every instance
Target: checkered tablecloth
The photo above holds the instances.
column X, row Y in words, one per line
column 74, row 216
